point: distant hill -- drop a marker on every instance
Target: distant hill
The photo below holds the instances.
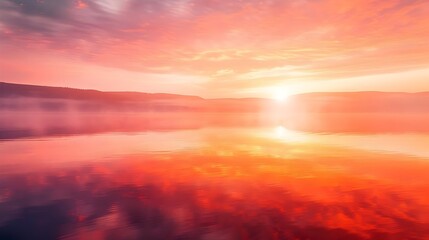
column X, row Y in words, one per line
column 30, row 97
column 361, row 102
column 21, row 90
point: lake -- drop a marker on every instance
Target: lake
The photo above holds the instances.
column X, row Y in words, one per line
column 213, row 176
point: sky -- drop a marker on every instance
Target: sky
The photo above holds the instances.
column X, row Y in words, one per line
column 217, row 48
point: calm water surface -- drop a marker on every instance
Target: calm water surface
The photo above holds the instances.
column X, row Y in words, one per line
column 227, row 178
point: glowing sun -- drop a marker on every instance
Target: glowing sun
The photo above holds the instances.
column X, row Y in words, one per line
column 281, row 95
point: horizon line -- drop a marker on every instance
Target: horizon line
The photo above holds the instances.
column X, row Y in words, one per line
column 225, row 98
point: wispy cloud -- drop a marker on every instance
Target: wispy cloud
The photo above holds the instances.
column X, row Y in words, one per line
column 254, row 40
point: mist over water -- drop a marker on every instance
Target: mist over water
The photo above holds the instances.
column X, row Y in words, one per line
column 107, row 175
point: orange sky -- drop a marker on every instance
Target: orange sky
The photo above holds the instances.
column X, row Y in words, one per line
column 215, row 48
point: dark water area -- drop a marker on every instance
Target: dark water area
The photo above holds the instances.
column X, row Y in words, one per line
column 213, row 176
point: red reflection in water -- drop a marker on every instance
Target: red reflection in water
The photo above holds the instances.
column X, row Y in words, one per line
column 239, row 187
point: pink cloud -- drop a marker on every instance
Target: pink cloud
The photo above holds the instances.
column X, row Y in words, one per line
column 329, row 39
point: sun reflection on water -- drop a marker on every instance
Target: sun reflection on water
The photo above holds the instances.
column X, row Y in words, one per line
column 280, row 132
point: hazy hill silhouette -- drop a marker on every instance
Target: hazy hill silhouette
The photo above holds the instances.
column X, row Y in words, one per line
column 25, row 97
column 21, row 90
column 361, row 102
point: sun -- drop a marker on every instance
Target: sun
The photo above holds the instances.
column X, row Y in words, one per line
column 281, row 95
